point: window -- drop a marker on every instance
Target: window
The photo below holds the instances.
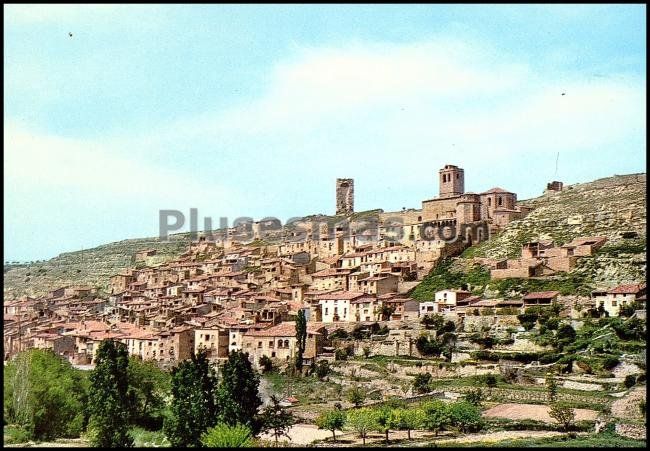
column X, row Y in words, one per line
column 614, row 303
column 273, row 354
column 457, row 175
column 500, row 200
column 271, row 344
column 286, row 343
column 326, row 310
column 259, row 344
column 207, row 336
column 489, row 201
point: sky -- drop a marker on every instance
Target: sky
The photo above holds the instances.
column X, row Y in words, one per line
column 255, row 110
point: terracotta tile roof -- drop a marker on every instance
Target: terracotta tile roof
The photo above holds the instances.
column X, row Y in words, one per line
column 542, row 295
column 341, row 295
column 284, row 329
column 496, row 190
column 332, row 272
column 627, row 289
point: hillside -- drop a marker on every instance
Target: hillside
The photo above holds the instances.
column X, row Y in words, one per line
column 614, row 207
column 95, row 266
column 606, row 207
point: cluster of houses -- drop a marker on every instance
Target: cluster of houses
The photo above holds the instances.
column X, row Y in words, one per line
column 223, row 296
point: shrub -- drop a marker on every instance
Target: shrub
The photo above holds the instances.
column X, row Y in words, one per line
column 474, row 397
column 421, row 383
column 610, row 362
column 225, row 436
column 356, row 395
column 465, row 416
column 266, row 364
column 340, row 354
column 630, row 381
column 322, row 369
column 563, row 414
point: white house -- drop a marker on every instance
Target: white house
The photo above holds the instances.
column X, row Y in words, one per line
column 336, row 306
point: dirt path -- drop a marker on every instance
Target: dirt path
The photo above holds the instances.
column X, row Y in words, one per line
column 533, row 412
column 303, row 434
column 628, row 406
column 501, row 435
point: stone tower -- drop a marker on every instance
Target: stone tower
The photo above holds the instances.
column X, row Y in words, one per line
column 344, row 196
column 452, row 181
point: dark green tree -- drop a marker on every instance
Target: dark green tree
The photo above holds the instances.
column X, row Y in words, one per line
column 421, row 383
column 331, row 420
column 301, row 337
column 194, row 403
column 276, row 420
column 108, row 401
column 238, row 392
column 148, row 387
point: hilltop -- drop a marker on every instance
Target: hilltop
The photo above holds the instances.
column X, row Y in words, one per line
column 614, row 207
column 608, row 207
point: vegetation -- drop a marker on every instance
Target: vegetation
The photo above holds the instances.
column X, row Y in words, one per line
column 108, row 402
column 276, row 420
column 331, row 420
column 421, row 383
column 194, row 403
column 148, row 388
column 563, row 414
column 357, row 395
column 238, row 392
column 362, row 421
column 301, row 338
column 44, row 396
column 228, row 436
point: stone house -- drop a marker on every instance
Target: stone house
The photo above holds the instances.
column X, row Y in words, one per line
column 336, row 306
column 540, row 298
column 613, row 299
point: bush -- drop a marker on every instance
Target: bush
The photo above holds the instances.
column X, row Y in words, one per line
column 224, row 436
column 266, row 364
column 356, row 396
column 630, row 381
column 322, row 369
column 421, row 383
column 610, row 362
column 428, row 346
column 465, row 416
column 340, row 354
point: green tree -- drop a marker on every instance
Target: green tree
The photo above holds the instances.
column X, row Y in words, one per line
column 465, row 416
column 228, row 436
column 474, row 397
column 490, row 382
column 630, row 381
column 528, row 319
column 45, row 395
column 301, row 337
column 239, row 392
column 276, row 420
column 266, row 364
column 362, row 421
column 356, row 395
column 331, row 420
column 387, row 311
column 436, row 416
column 194, row 406
column 322, row 369
column 551, row 387
column 148, row 388
column 108, row 402
column 407, row 419
column 434, row 321
column 384, row 420
column 563, row 414
column 421, row 383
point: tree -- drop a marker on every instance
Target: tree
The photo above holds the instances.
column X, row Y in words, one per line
column 630, row 381
column 626, row 310
column 528, row 319
column 421, row 383
column 356, row 395
column 301, row 337
column 474, row 397
column 436, row 416
column 322, row 369
column 384, row 420
column 194, row 406
column 465, row 416
column 563, row 414
column 331, row 420
column 227, row 436
column 642, row 407
column 266, row 364
column 551, row 387
column 428, row 346
column 276, row 419
column 490, row 382
column 45, row 395
column 407, row 420
column 148, row 388
column 361, row 421
column 434, row 321
column 108, row 403
column 387, row 311
column 238, row 392
column 565, row 334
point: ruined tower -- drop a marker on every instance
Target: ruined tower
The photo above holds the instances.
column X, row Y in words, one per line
column 452, row 181
column 344, row 196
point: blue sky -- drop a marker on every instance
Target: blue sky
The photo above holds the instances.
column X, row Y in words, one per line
column 255, row 110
